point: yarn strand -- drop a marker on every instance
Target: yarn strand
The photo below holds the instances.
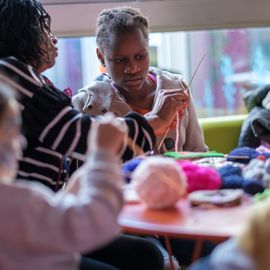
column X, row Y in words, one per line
column 178, row 116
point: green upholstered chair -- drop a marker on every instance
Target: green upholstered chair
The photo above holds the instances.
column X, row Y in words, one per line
column 222, row 133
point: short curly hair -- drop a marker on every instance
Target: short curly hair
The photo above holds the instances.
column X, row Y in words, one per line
column 22, row 27
column 119, row 20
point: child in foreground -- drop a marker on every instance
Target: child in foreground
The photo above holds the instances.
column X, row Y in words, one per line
column 33, row 216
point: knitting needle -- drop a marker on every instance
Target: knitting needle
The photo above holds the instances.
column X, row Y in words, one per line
column 161, row 142
column 183, row 88
column 195, row 71
column 237, row 157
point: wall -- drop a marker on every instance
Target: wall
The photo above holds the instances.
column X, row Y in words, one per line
column 168, row 15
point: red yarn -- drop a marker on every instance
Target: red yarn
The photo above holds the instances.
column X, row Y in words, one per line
column 200, row 177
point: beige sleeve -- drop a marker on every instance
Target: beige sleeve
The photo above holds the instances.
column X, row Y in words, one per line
column 194, row 134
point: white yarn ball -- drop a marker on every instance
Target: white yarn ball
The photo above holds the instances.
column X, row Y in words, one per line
column 159, row 182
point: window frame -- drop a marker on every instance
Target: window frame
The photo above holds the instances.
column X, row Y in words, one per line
column 78, row 19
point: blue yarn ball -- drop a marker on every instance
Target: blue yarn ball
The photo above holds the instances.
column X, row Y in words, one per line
column 248, row 152
column 129, row 166
column 232, row 181
column 229, row 170
column 252, row 187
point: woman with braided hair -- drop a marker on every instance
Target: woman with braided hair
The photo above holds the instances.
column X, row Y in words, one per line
column 130, row 84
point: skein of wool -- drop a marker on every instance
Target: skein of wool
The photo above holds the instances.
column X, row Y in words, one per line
column 232, row 178
column 200, row 177
column 159, row 182
column 237, row 154
column 129, row 166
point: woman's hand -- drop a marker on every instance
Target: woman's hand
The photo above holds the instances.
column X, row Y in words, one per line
column 167, row 104
column 108, row 133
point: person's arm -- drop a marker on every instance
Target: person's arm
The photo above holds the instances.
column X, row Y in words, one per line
column 49, row 118
column 226, row 256
column 43, row 221
column 167, row 103
column 253, row 240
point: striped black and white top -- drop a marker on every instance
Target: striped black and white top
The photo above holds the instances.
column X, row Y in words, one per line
column 53, row 129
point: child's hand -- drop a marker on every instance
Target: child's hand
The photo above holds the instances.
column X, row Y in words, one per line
column 184, row 102
column 168, row 103
column 108, row 133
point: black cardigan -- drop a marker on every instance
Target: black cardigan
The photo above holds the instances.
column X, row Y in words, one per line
column 55, row 130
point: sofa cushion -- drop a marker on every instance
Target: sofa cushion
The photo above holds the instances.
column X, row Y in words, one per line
column 222, row 133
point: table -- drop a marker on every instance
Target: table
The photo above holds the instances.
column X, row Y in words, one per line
column 186, row 222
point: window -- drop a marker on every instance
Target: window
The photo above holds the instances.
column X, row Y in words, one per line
column 231, row 35
column 233, row 61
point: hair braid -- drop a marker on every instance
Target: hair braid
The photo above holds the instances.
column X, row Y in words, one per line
column 115, row 20
column 27, row 19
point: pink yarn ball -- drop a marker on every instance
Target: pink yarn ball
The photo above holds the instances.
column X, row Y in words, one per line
column 159, row 182
column 200, row 177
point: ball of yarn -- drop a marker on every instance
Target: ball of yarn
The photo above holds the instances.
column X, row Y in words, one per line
column 129, row 166
column 159, row 182
column 233, row 181
column 232, row 178
column 247, row 152
column 253, row 187
column 200, row 177
column 229, row 170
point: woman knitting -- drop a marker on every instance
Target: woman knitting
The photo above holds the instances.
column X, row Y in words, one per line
column 131, row 85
